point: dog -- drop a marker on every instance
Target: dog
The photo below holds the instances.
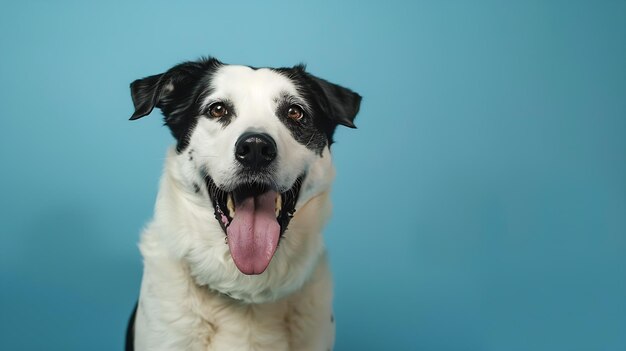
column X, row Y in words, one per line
column 234, row 256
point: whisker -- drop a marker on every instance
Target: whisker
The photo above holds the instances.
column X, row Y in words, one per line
column 310, row 140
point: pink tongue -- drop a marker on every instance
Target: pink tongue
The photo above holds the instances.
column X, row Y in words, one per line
column 253, row 233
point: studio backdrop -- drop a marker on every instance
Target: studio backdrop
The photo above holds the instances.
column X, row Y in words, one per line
column 480, row 204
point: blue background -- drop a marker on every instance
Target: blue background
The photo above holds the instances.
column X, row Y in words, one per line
column 481, row 204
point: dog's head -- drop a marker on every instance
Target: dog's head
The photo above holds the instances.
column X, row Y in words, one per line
column 255, row 141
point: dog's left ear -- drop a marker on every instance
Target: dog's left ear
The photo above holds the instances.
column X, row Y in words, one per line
column 343, row 103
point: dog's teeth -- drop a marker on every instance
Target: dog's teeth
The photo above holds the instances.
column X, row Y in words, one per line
column 230, row 204
column 279, row 204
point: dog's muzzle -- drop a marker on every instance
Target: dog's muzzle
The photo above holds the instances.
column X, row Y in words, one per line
column 254, row 214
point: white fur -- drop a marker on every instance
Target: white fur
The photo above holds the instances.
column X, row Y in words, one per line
column 193, row 297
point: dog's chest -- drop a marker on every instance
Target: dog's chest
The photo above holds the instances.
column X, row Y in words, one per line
column 248, row 328
column 301, row 322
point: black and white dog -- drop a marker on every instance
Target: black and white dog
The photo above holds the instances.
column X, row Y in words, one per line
column 234, row 257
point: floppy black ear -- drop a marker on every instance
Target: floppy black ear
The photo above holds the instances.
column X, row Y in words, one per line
column 343, row 103
column 169, row 91
column 146, row 93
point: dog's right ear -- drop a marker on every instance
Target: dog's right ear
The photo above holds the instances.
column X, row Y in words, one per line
column 146, row 93
column 169, row 91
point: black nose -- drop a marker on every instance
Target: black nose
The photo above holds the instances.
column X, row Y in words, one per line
column 255, row 150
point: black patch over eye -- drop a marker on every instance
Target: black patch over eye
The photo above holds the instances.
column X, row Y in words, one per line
column 302, row 124
column 218, row 110
column 295, row 112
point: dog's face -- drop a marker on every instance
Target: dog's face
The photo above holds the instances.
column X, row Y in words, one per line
column 255, row 142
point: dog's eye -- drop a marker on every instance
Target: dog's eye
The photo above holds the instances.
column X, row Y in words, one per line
column 295, row 112
column 218, row 110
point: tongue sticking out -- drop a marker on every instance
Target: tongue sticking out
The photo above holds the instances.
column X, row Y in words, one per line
column 253, row 233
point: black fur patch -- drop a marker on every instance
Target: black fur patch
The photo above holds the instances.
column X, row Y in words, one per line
column 306, row 131
column 329, row 105
column 177, row 93
column 130, row 330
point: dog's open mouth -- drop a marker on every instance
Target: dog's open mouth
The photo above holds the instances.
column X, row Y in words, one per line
column 253, row 217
